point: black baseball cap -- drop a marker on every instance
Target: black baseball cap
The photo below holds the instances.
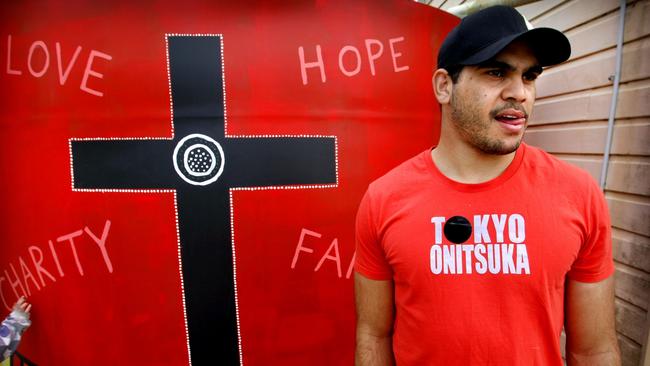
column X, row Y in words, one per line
column 482, row 35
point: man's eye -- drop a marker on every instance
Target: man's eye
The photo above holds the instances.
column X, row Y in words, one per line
column 496, row 73
column 531, row 76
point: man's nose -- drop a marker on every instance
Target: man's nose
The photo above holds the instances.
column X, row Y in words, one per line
column 516, row 89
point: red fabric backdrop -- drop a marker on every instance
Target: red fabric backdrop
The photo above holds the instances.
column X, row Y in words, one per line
column 125, row 305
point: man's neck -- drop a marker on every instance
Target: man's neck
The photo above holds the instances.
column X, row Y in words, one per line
column 466, row 164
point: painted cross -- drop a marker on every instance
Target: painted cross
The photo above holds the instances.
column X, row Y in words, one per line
column 202, row 164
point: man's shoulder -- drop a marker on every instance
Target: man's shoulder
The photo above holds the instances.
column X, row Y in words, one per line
column 405, row 174
column 544, row 166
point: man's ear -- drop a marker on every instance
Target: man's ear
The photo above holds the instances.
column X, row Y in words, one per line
column 442, row 86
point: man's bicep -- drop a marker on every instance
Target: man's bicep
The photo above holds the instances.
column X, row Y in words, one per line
column 590, row 323
column 375, row 305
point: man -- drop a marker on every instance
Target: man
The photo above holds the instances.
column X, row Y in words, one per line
column 479, row 251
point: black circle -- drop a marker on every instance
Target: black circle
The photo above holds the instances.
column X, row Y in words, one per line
column 457, row 229
column 199, row 160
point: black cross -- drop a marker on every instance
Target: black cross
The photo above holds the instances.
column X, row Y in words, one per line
column 195, row 65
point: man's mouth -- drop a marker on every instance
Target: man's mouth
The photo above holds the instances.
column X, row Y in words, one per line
column 512, row 119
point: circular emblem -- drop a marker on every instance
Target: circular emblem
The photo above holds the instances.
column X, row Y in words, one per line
column 198, row 159
column 457, row 229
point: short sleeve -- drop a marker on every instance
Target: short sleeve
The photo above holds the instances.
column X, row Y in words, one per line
column 594, row 262
column 370, row 259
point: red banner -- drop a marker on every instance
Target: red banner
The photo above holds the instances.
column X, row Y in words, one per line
column 181, row 179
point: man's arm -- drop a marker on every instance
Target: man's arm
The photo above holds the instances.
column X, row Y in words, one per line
column 375, row 312
column 590, row 324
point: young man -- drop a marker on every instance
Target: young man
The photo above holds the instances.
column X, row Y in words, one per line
column 479, row 251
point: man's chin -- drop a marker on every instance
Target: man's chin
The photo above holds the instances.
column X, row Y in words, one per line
column 499, row 147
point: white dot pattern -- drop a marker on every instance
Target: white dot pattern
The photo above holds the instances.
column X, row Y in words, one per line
column 199, row 162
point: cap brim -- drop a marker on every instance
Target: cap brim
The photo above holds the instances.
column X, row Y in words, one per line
column 550, row 47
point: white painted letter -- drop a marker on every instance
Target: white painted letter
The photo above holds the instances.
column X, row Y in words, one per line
column 342, row 53
column 351, row 267
column 372, row 56
column 304, row 65
column 395, row 55
column 37, row 263
column 102, row 243
column 63, row 75
column 70, row 238
column 10, row 71
column 336, row 257
column 90, row 72
column 46, row 65
column 56, row 258
column 27, row 274
column 16, row 283
column 2, row 295
column 300, row 248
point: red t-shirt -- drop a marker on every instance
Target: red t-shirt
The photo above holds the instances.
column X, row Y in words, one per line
column 496, row 298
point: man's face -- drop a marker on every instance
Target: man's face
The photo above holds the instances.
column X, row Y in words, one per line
column 491, row 102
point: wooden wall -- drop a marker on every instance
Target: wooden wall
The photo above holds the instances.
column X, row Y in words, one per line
column 570, row 121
